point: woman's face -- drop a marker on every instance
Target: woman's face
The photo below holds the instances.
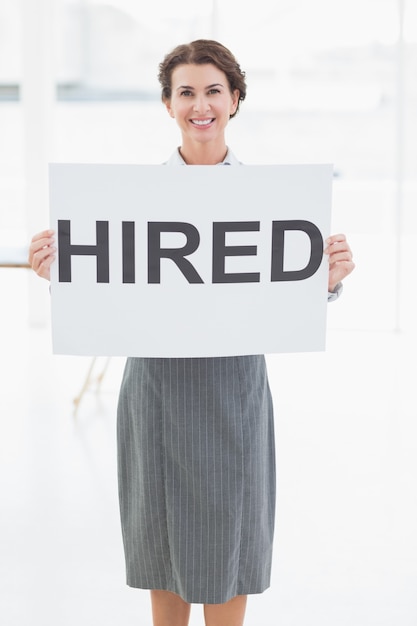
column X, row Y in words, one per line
column 201, row 102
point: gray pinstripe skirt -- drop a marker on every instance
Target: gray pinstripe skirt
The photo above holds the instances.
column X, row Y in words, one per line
column 197, row 476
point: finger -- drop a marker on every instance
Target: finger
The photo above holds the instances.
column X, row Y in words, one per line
column 39, row 240
column 46, row 264
column 339, row 246
column 339, row 273
column 42, row 244
column 41, row 256
column 335, row 238
column 44, row 234
column 336, row 241
column 39, row 244
column 44, row 268
column 337, row 257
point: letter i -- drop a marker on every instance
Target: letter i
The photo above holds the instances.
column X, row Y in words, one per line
column 128, row 251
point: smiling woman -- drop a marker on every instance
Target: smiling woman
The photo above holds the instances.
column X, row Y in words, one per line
column 196, row 453
column 202, row 86
column 327, row 83
column 202, row 104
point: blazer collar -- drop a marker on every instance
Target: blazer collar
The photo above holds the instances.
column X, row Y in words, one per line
column 176, row 159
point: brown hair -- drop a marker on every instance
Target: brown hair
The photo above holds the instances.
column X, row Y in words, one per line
column 200, row 52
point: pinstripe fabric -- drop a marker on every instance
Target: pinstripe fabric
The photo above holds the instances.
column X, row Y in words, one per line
column 197, row 476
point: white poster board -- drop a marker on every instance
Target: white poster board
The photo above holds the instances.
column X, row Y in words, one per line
column 162, row 261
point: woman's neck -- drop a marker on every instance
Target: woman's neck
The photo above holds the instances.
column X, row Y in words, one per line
column 203, row 154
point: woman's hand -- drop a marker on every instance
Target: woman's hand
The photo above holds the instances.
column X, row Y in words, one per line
column 340, row 259
column 42, row 253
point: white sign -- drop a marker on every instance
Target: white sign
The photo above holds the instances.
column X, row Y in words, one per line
column 194, row 261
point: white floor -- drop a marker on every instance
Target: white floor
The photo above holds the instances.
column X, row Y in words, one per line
column 346, row 534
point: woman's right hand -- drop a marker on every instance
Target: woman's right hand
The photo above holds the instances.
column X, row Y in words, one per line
column 42, row 253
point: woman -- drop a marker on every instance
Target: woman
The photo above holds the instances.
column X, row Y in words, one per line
column 195, row 436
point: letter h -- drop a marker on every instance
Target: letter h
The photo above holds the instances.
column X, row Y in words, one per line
column 66, row 250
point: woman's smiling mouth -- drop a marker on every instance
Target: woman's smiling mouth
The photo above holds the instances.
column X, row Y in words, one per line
column 202, row 122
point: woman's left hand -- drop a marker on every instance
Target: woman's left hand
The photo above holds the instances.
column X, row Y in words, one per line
column 340, row 259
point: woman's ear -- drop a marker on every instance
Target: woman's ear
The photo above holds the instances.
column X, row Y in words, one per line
column 169, row 108
column 235, row 101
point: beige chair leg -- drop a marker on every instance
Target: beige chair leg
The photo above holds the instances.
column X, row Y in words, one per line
column 89, row 381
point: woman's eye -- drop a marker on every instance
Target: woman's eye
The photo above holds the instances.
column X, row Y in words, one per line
column 186, row 92
column 214, row 91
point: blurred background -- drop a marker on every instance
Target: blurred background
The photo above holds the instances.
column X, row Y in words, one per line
column 330, row 81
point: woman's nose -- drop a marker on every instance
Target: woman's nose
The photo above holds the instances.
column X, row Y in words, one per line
column 201, row 104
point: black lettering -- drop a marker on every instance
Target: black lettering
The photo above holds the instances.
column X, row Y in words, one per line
column 67, row 250
column 221, row 251
column 156, row 253
column 128, row 248
column 316, row 255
